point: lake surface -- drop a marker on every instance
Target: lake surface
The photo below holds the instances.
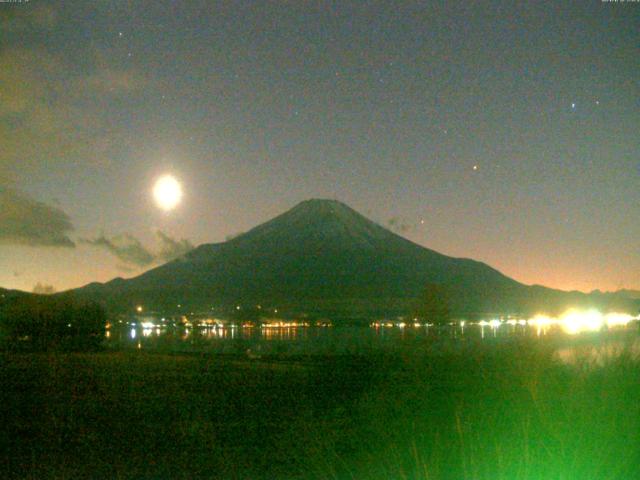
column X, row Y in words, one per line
column 259, row 341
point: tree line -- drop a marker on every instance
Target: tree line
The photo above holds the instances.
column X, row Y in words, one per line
column 42, row 323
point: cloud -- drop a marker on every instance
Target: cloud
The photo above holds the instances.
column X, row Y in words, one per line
column 53, row 116
column 126, row 248
column 131, row 251
column 171, row 248
column 43, row 289
column 126, row 268
column 25, row 221
column 40, row 125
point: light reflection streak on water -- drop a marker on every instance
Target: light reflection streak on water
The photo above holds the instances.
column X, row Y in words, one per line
column 599, row 354
column 310, row 341
column 575, row 321
column 571, row 322
column 381, row 334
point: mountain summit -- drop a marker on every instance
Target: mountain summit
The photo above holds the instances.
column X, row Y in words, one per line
column 315, row 224
column 323, row 258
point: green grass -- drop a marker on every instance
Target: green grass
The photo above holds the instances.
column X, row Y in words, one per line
column 504, row 412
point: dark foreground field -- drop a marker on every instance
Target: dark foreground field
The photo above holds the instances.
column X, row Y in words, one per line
column 508, row 413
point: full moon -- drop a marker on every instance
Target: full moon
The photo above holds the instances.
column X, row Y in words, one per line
column 167, row 192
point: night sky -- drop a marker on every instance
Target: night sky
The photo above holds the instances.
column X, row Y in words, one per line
column 505, row 133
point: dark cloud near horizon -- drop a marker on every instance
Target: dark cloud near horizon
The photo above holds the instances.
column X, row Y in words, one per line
column 171, row 248
column 43, row 289
column 125, row 268
column 129, row 250
column 25, row 221
column 126, row 248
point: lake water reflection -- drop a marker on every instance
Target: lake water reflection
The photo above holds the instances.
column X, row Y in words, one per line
column 311, row 340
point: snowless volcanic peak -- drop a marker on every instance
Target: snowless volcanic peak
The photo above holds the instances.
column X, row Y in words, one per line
column 322, row 221
column 322, row 257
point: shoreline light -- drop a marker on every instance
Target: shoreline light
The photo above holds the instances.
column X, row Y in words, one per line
column 573, row 321
column 618, row 319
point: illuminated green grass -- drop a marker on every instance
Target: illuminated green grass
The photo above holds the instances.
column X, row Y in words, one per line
column 512, row 412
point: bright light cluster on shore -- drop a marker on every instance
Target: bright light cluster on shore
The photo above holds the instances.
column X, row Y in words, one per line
column 578, row 321
column 573, row 321
column 284, row 324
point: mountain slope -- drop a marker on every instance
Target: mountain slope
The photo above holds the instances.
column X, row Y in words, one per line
column 324, row 258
